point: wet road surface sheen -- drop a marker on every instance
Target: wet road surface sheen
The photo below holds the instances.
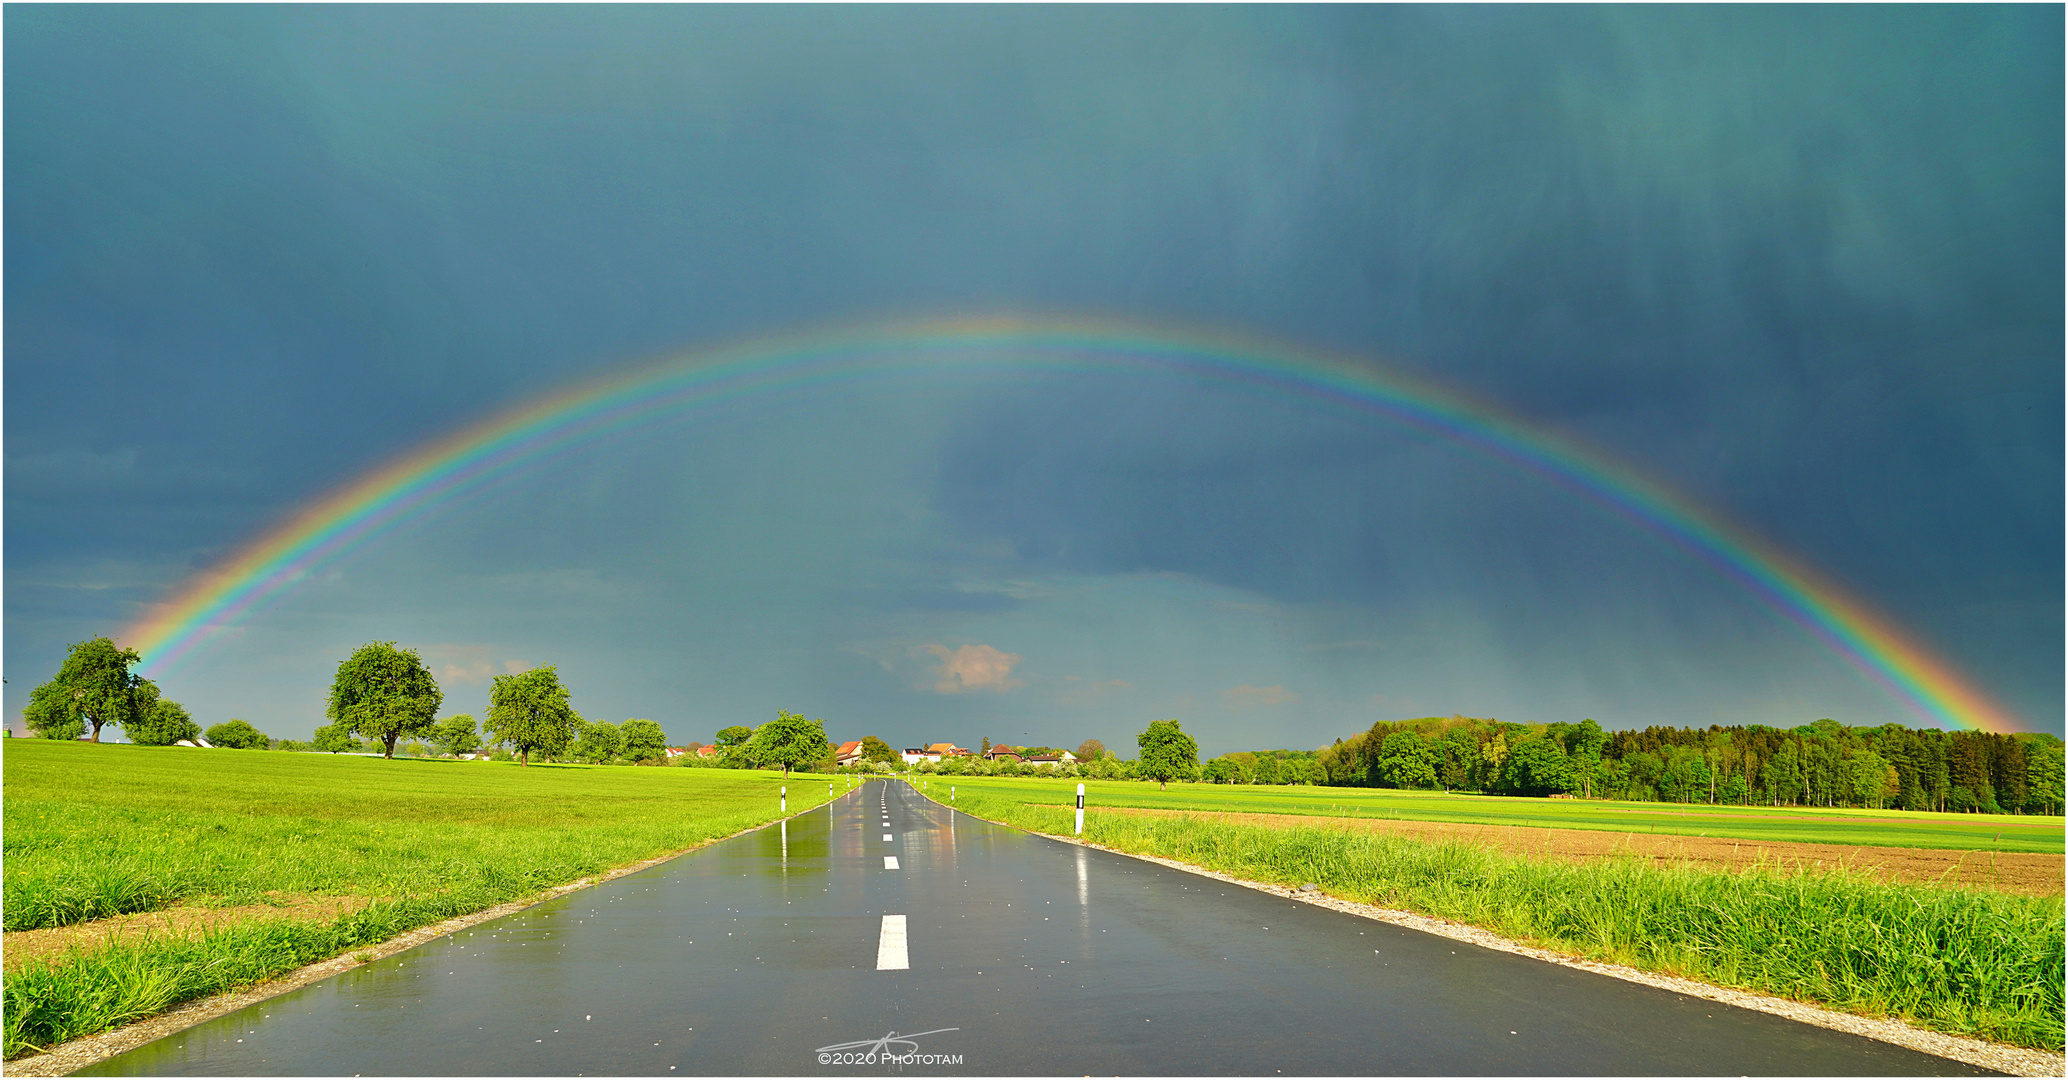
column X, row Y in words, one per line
column 886, row 913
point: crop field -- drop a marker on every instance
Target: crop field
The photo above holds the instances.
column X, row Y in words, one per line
column 97, row 831
column 1885, row 828
column 1969, row 961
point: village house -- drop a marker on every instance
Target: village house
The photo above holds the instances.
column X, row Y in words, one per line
column 933, row 752
column 848, row 754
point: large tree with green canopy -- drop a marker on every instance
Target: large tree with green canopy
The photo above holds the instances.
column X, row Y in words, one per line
column 384, row 693
column 92, row 688
column 642, row 740
column 1167, row 753
column 788, row 740
column 529, row 712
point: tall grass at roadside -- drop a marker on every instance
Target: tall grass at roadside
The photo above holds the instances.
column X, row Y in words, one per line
column 1967, row 961
column 93, row 831
column 76, row 894
column 94, row 991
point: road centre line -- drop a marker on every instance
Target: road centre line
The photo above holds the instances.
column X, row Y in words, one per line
column 890, row 945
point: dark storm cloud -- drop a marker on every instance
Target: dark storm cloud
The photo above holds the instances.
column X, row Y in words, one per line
column 1804, row 263
column 1804, row 266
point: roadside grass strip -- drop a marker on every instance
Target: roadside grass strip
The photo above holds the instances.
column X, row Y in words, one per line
column 1966, row 961
column 90, row 992
column 94, row 831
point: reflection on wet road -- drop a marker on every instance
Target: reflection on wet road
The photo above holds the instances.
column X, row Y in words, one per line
column 884, row 923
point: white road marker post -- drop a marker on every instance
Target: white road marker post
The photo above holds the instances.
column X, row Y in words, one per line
column 784, row 806
column 1080, row 810
column 951, row 793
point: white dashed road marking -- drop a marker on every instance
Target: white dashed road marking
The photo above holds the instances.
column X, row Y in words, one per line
column 886, row 836
column 890, row 862
column 890, row 945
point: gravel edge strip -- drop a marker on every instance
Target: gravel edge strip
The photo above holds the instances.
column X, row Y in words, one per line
column 2015, row 1060
column 69, row 1057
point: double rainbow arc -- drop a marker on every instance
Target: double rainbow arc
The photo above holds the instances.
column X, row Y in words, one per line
column 352, row 515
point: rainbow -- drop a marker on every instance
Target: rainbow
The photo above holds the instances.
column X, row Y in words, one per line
column 350, row 516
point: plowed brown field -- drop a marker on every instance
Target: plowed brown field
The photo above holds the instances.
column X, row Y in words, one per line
column 2019, row 872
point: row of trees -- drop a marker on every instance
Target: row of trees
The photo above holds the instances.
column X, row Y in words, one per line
column 94, row 688
column 384, row 693
column 1818, row 764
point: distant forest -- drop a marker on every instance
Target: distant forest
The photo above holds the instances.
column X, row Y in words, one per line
column 1818, row 764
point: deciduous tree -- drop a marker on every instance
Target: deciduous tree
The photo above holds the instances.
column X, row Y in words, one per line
column 93, row 688
column 1166, row 753
column 335, row 738
column 160, row 721
column 642, row 740
column 789, row 740
column 384, row 693
column 456, row 735
column 599, row 742
column 875, row 749
column 529, row 711
column 1091, row 750
column 236, row 735
column 729, row 737
column 1406, row 761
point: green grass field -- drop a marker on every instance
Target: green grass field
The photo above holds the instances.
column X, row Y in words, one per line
column 1886, row 828
column 92, row 831
column 1969, row 961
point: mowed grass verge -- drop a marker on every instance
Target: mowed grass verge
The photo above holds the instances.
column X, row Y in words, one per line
column 1882, row 828
column 94, row 831
column 1973, row 962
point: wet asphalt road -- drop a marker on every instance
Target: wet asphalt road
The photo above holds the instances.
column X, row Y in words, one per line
column 755, row 955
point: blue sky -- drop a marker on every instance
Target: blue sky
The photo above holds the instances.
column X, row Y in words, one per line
column 1804, row 264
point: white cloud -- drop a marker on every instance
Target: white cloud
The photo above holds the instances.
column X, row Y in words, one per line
column 468, row 664
column 1256, row 697
column 973, row 667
